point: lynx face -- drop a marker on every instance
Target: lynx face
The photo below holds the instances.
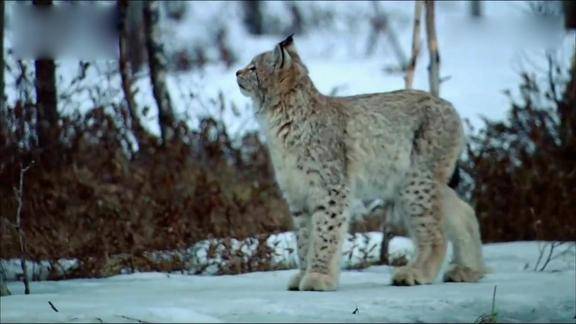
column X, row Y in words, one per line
column 271, row 73
column 257, row 74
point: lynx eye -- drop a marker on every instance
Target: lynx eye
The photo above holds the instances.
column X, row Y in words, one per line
column 252, row 68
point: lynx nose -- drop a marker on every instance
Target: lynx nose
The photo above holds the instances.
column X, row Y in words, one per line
column 238, row 72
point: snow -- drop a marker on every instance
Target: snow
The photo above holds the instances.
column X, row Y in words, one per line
column 523, row 295
column 481, row 57
column 359, row 250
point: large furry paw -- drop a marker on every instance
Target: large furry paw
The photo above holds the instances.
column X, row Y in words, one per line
column 294, row 283
column 409, row 276
column 314, row 281
column 460, row 273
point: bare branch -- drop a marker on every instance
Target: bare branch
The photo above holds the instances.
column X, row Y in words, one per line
column 53, row 307
column 550, row 257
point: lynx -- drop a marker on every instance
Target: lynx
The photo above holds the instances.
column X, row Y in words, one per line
column 400, row 146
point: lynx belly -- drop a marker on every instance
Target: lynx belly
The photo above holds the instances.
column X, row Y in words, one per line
column 377, row 166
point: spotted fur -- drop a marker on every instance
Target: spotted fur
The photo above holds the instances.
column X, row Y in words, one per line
column 399, row 146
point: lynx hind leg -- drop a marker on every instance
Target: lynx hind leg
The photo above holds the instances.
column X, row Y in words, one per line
column 420, row 205
column 463, row 231
column 302, row 222
column 329, row 224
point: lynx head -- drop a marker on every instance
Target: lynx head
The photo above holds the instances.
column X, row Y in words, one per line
column 272, row 73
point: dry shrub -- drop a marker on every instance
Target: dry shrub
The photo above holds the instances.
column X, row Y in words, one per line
column 523, row 168
column 106, row 205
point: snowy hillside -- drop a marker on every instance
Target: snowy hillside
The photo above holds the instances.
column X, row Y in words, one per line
column 523, row 295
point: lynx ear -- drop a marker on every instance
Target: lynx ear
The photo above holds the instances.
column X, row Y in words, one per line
column 282, row 52
column 288, row 42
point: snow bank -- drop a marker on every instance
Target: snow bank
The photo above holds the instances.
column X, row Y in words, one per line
column 210, row 257
column 523, row 295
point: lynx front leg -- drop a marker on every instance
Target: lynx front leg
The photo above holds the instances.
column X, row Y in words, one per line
column 329, row 224
column 420, row 201
column 302, row 222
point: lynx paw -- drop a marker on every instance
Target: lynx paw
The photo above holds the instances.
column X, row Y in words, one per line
column 318, row 282
column 409, row 276
column 294, row 282
column 460, row 273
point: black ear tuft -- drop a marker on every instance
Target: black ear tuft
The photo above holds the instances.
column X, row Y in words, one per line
column 288, row 41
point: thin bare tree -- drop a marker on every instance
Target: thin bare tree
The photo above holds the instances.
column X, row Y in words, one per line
column 387, row 235
column 157, row 64
column 126, row 75
column 415, row 44
column 434, row 66
column 46, row 98
column 19, row 193
column 381, row 25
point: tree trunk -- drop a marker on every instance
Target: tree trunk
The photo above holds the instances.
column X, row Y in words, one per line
column 566, row 110
column 46, row 100
column 434, row 66
column 157, row 64
column 135, row 39
column 3, row 288
column 569, row 8
column 387, row 236
column 4, row 291
column 475, row 8
column 126, row 77
column 2, row 97
column 253, row 17
column 415, row 44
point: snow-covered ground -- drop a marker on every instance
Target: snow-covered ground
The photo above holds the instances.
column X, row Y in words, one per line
column 523, row 295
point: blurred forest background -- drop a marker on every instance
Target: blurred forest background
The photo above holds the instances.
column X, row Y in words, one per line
column 105, row 161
